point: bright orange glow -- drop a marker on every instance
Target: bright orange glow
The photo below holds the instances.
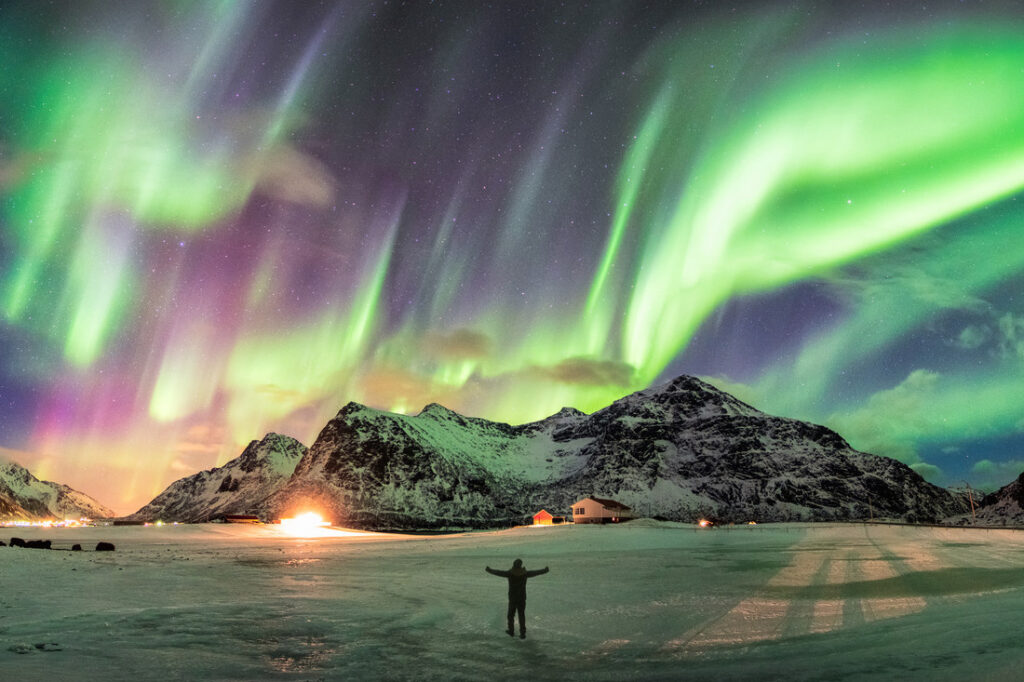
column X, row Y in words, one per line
column 704, row 523
column 303, row 523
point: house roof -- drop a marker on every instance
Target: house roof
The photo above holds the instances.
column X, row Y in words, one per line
column 543, row 513
column 610, row 504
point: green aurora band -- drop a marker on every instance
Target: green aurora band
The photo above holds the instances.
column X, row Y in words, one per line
column 872, row 168
column 846, row 158
column 102, row 140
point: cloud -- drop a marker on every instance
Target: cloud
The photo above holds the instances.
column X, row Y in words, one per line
column 276, row 394
column 893, row 420
column 1003, row 336
column 197, row 447
column 405, row 391
column 988, row 475
column 287, row 174
column 901, row 276
column 972, row 337
column 201, row 439
column 928, row 472
column 460, row 344
column 200, row 447
column 20, row 457
column 589, row 372
column 179, row 466
column 1011, row 336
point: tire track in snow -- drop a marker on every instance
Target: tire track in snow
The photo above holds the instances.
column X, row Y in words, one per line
column 828, row 613
column 766, row 616
column 880, row 608
column 803, row 614
column 913, row 558
column 757, row 618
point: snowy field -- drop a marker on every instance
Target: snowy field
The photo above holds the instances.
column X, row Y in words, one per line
column 633, row 602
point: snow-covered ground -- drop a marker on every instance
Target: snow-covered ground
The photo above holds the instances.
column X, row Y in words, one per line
column 638, row 601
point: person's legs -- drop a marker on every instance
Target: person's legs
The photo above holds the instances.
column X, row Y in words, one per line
column 521, row 607
column 511, row 618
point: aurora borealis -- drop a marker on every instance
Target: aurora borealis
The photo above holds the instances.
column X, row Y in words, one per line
column 225, row 218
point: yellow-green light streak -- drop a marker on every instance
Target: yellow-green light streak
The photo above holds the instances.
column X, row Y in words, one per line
column 836, row 163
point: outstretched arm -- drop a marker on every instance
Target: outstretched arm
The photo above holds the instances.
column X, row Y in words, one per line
column 503, row 574
column 531, row 574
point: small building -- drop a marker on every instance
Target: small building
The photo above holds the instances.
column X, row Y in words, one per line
column 242, row 518
column 545, row 518
column 542, row 518
column 600, row 510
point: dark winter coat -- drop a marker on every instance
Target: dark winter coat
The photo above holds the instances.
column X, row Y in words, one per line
column 516, row 580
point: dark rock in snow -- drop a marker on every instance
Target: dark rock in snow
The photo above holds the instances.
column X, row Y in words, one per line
column 37, row 544
column 104, row 547
column 17, row 542
column 76, row 547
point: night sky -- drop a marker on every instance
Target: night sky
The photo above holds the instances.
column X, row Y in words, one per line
column 221, row 219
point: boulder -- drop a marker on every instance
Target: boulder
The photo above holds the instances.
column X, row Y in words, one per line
column 38, row 544
column 76, row 548
column 17, row 542
column 104, row 547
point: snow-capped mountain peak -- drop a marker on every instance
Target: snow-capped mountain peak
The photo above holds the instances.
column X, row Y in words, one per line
column 680, row 450
column 25, row 497
column 238, row 487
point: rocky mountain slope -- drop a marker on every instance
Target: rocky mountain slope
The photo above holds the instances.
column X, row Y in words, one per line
column 678, row 451
column 23, row 497
column 239, row 487
column 1004, row 507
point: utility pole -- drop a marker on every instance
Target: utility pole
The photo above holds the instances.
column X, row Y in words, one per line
column 970, row 496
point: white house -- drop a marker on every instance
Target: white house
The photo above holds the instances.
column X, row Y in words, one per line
column 599, row 510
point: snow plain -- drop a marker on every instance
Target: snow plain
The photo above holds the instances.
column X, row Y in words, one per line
column 641, row 601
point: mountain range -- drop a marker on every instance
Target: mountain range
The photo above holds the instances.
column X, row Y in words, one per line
column 23, row 497
column 1004, row 507
column 678, row 451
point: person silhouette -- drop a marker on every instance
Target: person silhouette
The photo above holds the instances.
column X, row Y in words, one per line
column 517, row 576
